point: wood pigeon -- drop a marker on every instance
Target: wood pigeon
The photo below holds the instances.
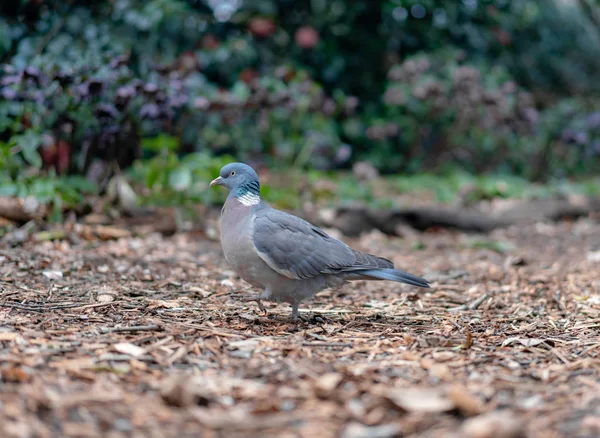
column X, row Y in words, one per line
column 285, row 256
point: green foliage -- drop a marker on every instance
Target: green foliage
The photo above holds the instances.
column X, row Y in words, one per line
column 438, row 109
column 59, row 192
column 89, row 88
column 551, row 47
column 99, row 112
column 451, row 186
column 499, row 246
column 172, row 181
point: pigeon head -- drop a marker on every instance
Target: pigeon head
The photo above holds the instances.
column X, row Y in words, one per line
column 240, row 179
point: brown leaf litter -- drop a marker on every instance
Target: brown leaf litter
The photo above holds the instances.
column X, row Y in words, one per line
column 118, row 335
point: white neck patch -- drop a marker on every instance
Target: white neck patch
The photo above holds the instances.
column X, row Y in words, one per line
column 249, row 199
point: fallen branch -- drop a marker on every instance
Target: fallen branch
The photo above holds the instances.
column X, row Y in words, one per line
column 356, row 220
column 21, row 209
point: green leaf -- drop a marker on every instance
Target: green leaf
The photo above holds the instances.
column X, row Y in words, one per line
column 240, row 91
column 180, row 179
column 57, row 209
column 8, row 189
column 500, row 246
column 80, row 184
column 152, row 175
column 29, row 144
column 43, row 190
column 160, row 142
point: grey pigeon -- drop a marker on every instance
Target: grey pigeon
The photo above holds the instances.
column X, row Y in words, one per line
column 285, row 256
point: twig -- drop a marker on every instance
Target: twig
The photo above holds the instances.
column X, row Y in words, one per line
column 473, row 305
column 478, row 302
column 133, row 328
column 588, row 349
column 92, row 306
column 22, row 307
column 109, row 357
column 327, row 344
column 559, row 356
column 180, row 353
column 18, row 286
column 325, row 311
column 40, row 307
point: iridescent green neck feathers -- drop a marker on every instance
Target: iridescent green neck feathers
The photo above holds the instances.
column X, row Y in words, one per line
column 249, row 193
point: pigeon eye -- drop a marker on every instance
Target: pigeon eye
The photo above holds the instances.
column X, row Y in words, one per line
column 232, row 173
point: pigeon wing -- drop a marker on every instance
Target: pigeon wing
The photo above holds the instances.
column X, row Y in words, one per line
column 299, row 250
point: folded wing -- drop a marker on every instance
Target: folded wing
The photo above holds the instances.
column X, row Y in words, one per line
column 297, row 249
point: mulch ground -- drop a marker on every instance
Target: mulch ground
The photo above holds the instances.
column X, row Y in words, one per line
column 148, row 337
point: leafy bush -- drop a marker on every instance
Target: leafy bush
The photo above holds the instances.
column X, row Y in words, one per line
column 568, row 139
column 437, row 110
column 89, row 120
column 440, row 109
column 169, row 180
column 90, row 87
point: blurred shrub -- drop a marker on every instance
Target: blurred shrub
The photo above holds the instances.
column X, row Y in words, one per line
column 170, row 180
column 107, row 115
column 551, row 47
column 90, row 87
column 569, row 137
column 438, row 109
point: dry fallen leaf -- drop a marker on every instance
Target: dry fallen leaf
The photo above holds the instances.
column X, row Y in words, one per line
column 8, row 336
column 464, row 401
column 357, row 430
column 502, row 424
column 155, row 304
column 131, row 349
column 105, row 298
column 74, row 364
column 53, row 275
column 327, row 382
column 200, row 291
column 106, row 294
column 14, row 374
column 107, row 232
column 526, row 342
column 420, row 400
column 182, row 391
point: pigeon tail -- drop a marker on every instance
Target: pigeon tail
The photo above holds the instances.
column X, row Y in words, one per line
column 395, row 275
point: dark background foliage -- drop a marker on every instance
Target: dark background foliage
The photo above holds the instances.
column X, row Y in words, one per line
column 89, row 87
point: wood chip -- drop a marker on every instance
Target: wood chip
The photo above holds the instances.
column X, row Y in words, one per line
column 154, row 341
column 428, row 400
column 130, row 349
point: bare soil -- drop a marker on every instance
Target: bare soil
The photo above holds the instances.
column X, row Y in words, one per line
column 148, row 337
